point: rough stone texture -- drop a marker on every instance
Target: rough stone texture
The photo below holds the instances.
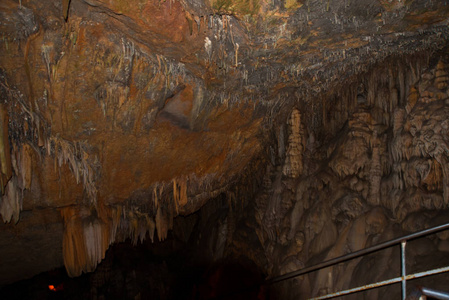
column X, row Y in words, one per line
column 122, row 115
column 382, row 175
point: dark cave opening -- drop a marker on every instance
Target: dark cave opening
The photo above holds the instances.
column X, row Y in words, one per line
column 175, row 268
column 135, row 273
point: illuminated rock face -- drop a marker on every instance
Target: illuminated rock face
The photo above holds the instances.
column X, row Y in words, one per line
column 119, row 116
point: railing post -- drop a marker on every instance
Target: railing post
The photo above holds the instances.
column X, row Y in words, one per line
column 403, row 278
column 403, row 273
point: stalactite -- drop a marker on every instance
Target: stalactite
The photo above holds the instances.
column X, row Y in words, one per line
column 74, row 250
column 85, row 241
column 157, row 195
column 138, row 226
column 433, row 178
column 93, row 241
column 170, row 212
column 151, row 227
column 34, row 130
column 180, row 193
column 115, row 217
column 371, row 89
column 142, row 230
column 133, row 222
column 412, row 98
column 5, row 154
column 26, row 165
column 406, row 113
column 162, row 224
column 175, row 195
column 11, row 202
column 401, row 80
column 10, row 199
column 82, row 166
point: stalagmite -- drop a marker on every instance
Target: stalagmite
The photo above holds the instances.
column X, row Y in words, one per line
column 375, row 172
column 293, row 165
column 445, row 167
column 398, row 120
column 233, row 104
column 406, row 115
column 441, row 76
column 272, row 215
column 296, row 216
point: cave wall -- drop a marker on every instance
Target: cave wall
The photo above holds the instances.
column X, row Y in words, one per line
column 117, row 117
column 379, row 172
column 110, row 126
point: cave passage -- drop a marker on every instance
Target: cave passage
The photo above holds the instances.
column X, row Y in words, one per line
column 191, row 149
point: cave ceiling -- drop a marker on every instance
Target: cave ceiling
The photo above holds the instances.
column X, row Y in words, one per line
column 138, row 111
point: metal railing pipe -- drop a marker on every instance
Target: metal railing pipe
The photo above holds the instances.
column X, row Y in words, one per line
column 384, row 283
column 403, row 273
column 356, row 254
column 434, row 294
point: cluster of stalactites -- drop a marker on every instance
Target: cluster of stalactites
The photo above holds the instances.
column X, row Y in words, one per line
column 88, row 232
column 9, row 205
column 22, row 142
column 409, row 170
column 387, row 162
column 11, row 201
column 15, row 175
column 85, row 241
column 168, row 209
column 420, row 147
column 75, row 154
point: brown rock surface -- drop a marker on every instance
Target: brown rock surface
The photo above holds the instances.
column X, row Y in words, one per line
column 117, row 116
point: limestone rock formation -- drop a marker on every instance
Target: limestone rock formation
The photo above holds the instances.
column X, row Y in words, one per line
column 323, row 125
column 384, row 168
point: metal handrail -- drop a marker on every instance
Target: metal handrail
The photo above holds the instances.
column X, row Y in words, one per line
column 401, row 240
column 383, row 283
column 434, row 293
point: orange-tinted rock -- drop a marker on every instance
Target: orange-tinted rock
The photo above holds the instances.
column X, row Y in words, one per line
column 157, row 107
